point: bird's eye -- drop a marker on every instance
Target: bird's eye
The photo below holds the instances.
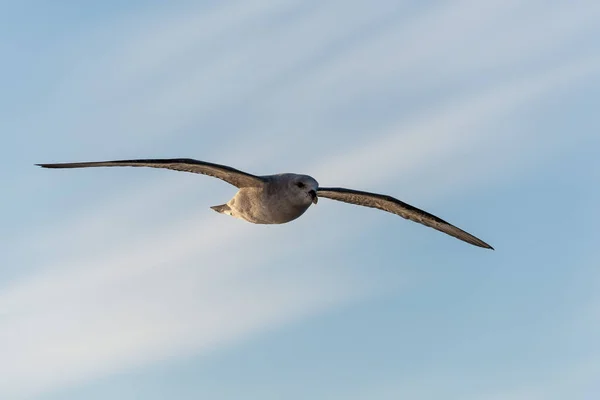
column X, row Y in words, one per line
column 300, row 185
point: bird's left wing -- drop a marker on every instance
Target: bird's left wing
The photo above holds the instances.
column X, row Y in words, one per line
column 395, row 206
column 230, row 175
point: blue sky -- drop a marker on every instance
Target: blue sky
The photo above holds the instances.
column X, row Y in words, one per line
column 122, row 283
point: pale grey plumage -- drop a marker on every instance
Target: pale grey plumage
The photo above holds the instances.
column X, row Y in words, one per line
column 281, row 198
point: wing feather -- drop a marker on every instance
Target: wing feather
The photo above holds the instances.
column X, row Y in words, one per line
column 230, row 175
column 395, row 206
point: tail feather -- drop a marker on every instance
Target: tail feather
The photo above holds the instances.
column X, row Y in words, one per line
column 223, row 209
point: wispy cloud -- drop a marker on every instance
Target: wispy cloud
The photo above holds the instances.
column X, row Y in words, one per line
column 182, row 290
column 207, row 67
column 455, row 128
column 109, row 327
column 454, row 40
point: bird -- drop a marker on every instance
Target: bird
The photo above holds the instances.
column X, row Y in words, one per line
column 281, row 198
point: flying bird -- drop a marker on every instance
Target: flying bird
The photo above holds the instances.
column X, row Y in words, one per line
column 281, row 198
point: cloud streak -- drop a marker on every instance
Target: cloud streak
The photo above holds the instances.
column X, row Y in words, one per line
column 454, row 128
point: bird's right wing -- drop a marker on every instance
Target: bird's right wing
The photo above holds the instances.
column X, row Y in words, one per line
column 230, row 175
column 395, row 206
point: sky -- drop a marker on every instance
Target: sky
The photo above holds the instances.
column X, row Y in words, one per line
column 123, row 284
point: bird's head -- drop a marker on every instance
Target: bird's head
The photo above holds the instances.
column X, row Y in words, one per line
column 305, row 188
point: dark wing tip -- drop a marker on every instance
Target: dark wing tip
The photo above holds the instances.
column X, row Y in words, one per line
column 467, row 237
column 72, row 165
column 474, row 241
column 50, row 165
column 486, row 246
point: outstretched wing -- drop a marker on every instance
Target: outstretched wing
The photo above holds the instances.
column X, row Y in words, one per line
column 395, row 206
column 230, row 175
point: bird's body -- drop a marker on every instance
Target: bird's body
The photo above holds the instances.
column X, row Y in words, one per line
column 277, row 201
column 281, row 198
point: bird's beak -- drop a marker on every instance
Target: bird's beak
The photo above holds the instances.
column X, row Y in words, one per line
column 313, row 194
